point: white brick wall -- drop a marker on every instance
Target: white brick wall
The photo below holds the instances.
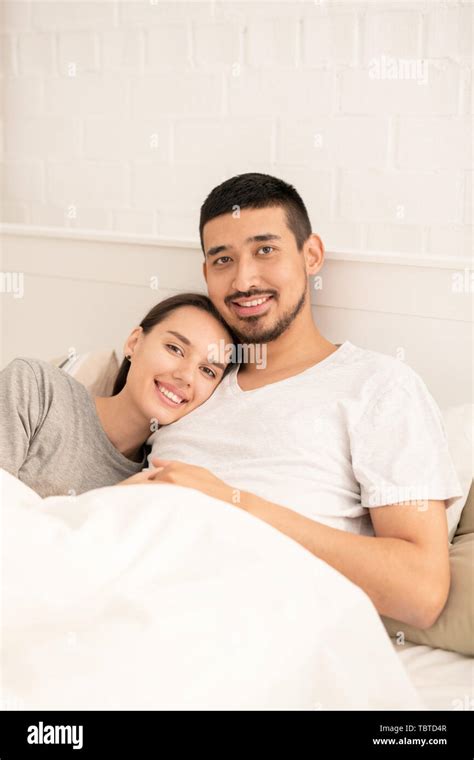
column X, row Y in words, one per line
column 77, row 49
column 128, row 112
column 391, row 33
column 414, row 197
column 362, row 95
column 434, row 143
column 36, row 54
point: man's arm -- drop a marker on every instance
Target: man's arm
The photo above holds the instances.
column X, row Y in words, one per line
column 404, row 568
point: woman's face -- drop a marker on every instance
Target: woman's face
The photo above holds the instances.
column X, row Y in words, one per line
column 170, row 372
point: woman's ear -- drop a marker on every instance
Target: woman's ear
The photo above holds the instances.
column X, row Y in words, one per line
column 132, row 340
column 313, row 253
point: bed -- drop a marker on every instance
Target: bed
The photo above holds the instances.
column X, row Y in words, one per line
column 168, row 598
column 48, row 657
column 444, row 680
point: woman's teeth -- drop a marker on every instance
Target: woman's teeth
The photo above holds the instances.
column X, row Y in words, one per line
column 169, row 394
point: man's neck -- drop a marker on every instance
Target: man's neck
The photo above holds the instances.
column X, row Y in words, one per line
column 299, row 347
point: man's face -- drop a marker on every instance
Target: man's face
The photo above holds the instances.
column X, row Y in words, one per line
column 255, row 275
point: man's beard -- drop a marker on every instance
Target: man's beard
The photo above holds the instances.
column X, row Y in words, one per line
column 260, row 335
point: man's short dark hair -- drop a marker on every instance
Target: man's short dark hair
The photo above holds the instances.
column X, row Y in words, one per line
column 253, row 190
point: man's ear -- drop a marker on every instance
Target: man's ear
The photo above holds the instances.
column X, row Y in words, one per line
column 313, row 252
column 204, row 270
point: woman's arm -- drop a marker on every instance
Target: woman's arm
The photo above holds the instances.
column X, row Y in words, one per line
column 20, row 412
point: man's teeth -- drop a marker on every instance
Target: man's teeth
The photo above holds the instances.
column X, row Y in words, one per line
column 169, row 394
column 255, row 303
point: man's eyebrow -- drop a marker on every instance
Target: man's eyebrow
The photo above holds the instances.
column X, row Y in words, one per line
column 188, row 343
column 255, row 239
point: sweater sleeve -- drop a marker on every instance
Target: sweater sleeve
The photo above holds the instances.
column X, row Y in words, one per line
column 20, row 413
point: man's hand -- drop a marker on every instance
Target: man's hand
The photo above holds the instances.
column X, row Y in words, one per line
column 182, row 474
column 190, row 476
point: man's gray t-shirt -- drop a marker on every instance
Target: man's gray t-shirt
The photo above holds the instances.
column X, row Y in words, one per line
column 51, row 437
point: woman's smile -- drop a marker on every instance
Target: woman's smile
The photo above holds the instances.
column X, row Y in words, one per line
column 169, row 394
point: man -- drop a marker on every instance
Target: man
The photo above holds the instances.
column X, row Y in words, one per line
column 340, row 448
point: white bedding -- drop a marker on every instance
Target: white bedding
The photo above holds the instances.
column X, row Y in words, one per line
column 159, row 597
column 444, row 680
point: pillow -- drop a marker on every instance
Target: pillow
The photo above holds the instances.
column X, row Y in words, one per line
column 454, row 629
column 96, row 370
column 458, row 425
column 466, row 524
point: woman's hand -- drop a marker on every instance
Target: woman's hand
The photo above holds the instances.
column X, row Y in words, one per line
column 145, row 476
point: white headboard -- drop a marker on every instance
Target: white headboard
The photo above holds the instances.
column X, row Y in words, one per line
column 88, row 290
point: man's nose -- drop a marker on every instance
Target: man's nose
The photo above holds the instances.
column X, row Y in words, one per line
column 247, row 275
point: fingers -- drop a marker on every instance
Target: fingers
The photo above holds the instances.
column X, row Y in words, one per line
column 155, row 472
column 144, row 476
column 160, row 462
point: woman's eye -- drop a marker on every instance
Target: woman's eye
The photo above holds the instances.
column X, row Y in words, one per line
column 209, row 371
column 221, row 258
column 174, row 349
column 266, row 247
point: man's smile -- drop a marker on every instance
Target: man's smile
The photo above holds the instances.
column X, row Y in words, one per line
column 246, row 307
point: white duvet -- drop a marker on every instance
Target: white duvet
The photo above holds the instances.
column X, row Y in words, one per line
column 159, row 597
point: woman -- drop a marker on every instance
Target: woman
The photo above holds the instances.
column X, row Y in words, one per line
column 58, row 439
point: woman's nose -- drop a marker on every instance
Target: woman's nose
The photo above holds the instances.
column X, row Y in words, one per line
column 183, row 373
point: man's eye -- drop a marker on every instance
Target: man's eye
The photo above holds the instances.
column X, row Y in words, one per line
column 174, row 349
column 221, row 258
column 266, row 247
column 209, row 371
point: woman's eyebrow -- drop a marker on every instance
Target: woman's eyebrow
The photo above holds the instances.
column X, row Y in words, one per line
column 180, row 337
column 188, row 343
